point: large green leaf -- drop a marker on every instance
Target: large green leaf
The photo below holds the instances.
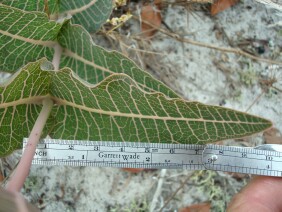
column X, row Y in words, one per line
column 25, row 37
column 114, row 110
column 91, row 14
column 18, row 46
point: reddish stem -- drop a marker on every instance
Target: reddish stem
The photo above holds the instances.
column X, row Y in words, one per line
column 17, row 180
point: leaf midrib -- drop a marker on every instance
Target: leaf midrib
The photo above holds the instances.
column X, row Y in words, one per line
column 81, row 9
column 61, row 102
column 66, row 52
column 29, row 40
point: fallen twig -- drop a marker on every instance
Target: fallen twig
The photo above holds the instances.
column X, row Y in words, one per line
column 158, row 190
column 272, row 4
column 174, row 193
column 206, row 45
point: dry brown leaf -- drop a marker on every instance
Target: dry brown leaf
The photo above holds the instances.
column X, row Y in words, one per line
column 238, row 176
column 133, row 170
column 202, row 207
column 151, row 14
column 1, row 178
column 221, row 5
column 272, row 136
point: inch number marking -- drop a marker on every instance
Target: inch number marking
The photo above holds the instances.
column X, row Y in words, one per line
column 243, row 160
column 120, row 154
column 269, row 157
column 244, row 154
column 155, row 155
column 71, row 147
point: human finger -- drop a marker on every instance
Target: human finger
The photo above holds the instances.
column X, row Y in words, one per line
column 262, row 194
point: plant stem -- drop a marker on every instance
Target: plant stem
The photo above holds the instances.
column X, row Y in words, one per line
column 158, row 191
column 57, row 56
column 174, row 193
column 17, row 180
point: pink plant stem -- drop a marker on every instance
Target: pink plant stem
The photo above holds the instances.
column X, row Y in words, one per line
column 17, row 180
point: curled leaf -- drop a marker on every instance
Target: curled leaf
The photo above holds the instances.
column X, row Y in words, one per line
column 92, row 63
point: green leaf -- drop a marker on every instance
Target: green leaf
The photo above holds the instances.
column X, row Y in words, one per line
column 94, row 63
column 114, row 110
column 18, row 46
column 91, row 14
column 32, row 5
column 25, row 37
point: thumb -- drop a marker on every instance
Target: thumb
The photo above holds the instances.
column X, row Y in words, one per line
column 262, row 194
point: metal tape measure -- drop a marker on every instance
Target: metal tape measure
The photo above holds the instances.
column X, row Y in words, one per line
column 262, row 160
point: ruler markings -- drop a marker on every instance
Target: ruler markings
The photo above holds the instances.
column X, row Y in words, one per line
column 243, row 160
column 158, row 155
column 247, row 170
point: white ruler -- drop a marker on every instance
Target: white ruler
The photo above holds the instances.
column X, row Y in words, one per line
column 264, row 160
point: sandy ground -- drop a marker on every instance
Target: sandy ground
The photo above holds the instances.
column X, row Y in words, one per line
column 196, row 73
